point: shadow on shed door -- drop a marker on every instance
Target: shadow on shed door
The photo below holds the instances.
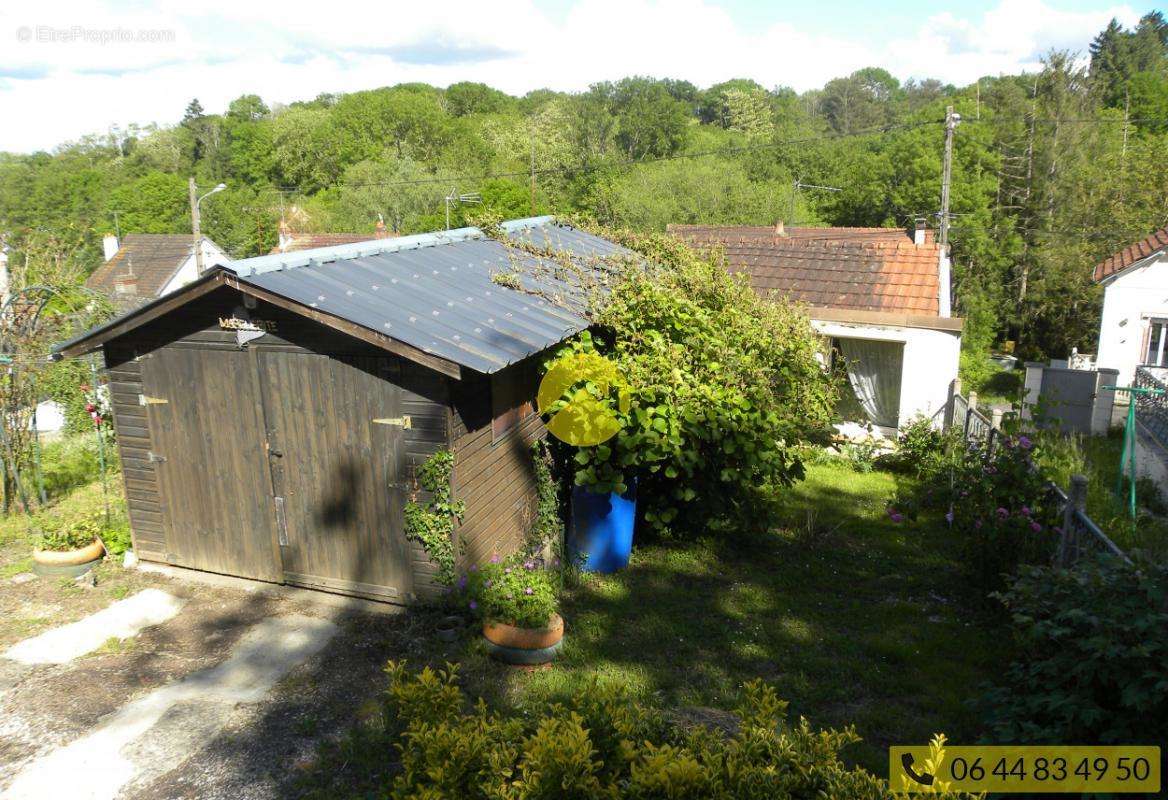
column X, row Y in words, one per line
column 337, row 455
column 206, row 429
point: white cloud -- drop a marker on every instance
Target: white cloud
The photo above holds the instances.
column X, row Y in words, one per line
column 65, row 81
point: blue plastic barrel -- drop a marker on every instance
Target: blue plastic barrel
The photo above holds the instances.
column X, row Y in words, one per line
column 601, row 536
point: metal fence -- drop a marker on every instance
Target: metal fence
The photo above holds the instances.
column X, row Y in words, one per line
column 1079, row 536
column 1152, row 410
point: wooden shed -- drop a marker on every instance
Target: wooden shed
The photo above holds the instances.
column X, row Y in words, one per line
column 271, row 414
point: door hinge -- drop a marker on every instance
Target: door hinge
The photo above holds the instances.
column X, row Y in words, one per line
column 144, row 400
column 401, row 422
column 153, row 457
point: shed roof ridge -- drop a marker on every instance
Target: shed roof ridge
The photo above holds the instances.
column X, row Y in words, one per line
column 352, row 250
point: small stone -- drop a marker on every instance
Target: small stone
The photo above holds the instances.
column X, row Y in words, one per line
column 23, row 577
column 130, row 560
column 86, row 580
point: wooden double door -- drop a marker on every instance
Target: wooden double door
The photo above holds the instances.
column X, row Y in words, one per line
column 281, row 466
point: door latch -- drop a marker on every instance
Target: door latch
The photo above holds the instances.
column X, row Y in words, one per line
column 402, row 422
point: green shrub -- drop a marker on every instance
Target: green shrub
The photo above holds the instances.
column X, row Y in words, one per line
column 724, row 384
column 601, row 744
column 517, row 592
column 71, row 462
column 923, row 449
column 1092, row 644
column 57, row 533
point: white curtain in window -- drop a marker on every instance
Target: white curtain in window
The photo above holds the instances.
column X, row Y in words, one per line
column 874, row 370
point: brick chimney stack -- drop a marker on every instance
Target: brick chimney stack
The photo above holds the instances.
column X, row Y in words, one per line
column 382, row 232
column 780, row 229
column 126, row 284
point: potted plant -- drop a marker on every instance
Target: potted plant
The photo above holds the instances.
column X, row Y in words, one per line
column 519, row 604
column 67, row 548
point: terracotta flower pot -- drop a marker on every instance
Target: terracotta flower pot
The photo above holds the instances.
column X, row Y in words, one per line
column 515, row 645
column 67, row 563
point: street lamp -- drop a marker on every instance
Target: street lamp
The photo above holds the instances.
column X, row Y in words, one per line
column 196, row 231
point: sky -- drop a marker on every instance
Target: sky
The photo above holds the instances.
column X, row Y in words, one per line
column 74, row 67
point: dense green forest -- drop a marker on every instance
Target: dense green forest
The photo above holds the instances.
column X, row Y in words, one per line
column 1051, row 170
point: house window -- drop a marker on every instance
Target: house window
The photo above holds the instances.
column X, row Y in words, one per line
column 512, row 400
column 1157, row 334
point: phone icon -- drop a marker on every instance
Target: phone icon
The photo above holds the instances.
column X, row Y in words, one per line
column 923, row 778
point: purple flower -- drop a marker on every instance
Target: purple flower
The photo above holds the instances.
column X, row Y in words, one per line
column 474, row 567
column 1003, row 513
column 964, row 493
column 488, row 582
column 495, row 558
column 949, row 517
column 1025, row 511
column 896, row 516
column 529, row 565
column 1025, row 443
column 529, row 590
column 507, row 571
column 555, row 562
column 473, row 605
column 1034, row 526
column 977, row 525
column 462, row 582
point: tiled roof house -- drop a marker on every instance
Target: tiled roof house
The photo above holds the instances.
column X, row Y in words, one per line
column 1133, row 329
column 880, row 295
column 143, row 266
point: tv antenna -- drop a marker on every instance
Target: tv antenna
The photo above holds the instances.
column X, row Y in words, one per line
column 455, row 198
column 797, row 185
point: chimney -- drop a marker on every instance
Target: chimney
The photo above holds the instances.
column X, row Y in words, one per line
column 919, row 232
column 126, row 284
column 285, row 234
column 780, row 229
column 382, row 233
column 109, row 246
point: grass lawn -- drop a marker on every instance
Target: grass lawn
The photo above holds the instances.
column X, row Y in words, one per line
column 852, row 618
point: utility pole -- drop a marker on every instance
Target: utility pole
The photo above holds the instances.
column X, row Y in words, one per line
column 951, row 122
column 531, row 135
column 196, row 232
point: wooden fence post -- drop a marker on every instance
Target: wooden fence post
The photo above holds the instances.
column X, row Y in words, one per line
column 996, row 419
column 950, row 403
column 973, row 400
column 1076, row 501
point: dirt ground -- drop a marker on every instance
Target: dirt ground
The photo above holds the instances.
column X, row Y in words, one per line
column 259, row 749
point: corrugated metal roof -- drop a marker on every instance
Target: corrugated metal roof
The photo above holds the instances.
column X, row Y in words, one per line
column 443, row 293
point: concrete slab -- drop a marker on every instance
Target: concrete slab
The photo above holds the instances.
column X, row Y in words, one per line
column 122, row 620
column 159, row 731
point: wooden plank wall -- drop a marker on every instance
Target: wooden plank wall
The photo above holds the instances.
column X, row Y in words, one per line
column 124, row 373
column 495, row 478
column 425, row 400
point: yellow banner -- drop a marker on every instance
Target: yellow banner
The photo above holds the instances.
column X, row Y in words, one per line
column 1033, row 769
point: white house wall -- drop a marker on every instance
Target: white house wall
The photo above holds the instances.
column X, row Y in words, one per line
column 189, row 271
column 931, row 360
column 1129, row 301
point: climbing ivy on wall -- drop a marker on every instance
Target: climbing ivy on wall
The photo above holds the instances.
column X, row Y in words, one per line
column 432, row 523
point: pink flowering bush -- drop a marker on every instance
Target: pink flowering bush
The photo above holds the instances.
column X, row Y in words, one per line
column 998, row 507
column 517, row 591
